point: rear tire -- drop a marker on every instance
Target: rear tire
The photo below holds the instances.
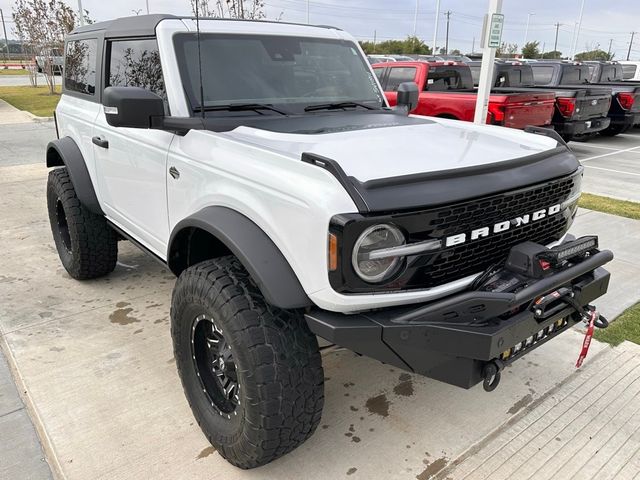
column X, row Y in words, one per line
column 613, row 130
column 86, row 244
column 252, row 373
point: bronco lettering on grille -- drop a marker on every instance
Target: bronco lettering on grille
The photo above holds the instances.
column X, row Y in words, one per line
column 501, row 226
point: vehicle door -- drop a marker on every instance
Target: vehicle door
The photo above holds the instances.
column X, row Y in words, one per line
column 131, row 162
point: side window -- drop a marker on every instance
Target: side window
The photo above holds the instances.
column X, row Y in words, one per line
column 629, row 71
column 80, row 66
column 379, row 72
column 475, row 74
column 542, row 74
column 398, row 75
column 135, row 63
column 449, row 78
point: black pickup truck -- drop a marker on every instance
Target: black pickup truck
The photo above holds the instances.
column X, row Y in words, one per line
column 580, row 112
column 624, row 111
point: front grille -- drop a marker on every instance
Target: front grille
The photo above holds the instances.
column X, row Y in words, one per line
column 474, row 256
column 477, row 255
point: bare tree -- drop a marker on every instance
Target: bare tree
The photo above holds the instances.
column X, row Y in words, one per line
column 246, row 9
column 42, row 25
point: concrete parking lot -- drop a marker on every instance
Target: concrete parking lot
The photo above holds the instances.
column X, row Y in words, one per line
column 611, row 165
column 94, row 364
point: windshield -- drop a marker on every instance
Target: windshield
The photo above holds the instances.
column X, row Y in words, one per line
column 286, row 72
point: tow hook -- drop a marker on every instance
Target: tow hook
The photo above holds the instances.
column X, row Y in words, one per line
column 592, row 318
column 491, row 374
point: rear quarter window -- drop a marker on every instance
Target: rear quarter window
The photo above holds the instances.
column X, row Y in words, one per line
column 80, row 66
column 572, row 75
column 445, row 78
column 475, row 73
column 398, row 75
column 542, row 74
column 629, row 71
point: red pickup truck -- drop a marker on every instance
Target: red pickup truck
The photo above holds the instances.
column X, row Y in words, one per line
column 446, row 90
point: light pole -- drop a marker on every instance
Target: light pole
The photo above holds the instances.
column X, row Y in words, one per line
column 526, row 29
column 435, row 27
column 415, row 18
column 6, row 42
column 575, row 40
column 147, row 7
column 81, row 13
column 630, row 44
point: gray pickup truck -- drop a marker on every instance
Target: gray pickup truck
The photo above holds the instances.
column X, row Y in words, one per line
column 580, row 112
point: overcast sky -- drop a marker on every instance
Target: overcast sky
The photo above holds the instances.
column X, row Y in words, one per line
column 603, row 20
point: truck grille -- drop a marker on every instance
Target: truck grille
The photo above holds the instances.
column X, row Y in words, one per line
column 477, row 255
column 473, row 256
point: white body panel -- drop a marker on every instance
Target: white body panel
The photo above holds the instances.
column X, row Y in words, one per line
column 132, row 181
column 260, row 174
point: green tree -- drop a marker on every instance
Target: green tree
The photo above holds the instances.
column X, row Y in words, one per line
column 530, row 50
column 507, row 50
column 553, row 54
column 42, row 26
column 596, row 54
column 455, row 51
column 410, row 45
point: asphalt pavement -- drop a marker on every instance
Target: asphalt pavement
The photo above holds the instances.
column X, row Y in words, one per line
column 19, row 80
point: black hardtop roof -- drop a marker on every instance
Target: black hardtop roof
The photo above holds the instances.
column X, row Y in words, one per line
column 145, row 25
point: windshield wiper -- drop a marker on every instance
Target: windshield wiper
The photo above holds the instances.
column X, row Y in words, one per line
column 240, row 107
column 337, row 106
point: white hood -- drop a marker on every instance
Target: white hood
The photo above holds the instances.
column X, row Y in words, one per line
column 403, row 150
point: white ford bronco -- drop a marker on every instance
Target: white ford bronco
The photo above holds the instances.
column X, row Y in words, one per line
column 260, row 162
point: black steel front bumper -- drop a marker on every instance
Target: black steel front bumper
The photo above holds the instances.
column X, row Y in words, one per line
column 582, row 127
column 454, row 339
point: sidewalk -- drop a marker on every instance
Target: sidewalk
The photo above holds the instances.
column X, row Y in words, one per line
column 98, row 369
column 20, row 454
column 11, row 115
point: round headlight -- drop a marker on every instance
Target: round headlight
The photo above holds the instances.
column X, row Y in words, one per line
column 373, row 238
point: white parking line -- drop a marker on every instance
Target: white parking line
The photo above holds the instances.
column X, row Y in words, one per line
column 609, row 154
column 611, row 170
column 590, row 145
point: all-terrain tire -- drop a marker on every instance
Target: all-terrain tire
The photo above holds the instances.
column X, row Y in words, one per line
column 86, row 244
column 613, row 130
column 277, row 362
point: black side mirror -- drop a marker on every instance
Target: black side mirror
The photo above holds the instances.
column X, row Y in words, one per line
column 132, row 107
column 408, row 95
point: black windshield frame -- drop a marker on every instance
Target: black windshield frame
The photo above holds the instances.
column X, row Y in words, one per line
column 191, row 84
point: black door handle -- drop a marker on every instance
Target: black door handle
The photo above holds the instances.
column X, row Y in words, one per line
column 101, row 142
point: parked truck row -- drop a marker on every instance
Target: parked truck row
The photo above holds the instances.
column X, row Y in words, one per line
column 578, row 100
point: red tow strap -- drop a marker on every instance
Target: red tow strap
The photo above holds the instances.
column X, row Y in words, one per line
column 587, row 339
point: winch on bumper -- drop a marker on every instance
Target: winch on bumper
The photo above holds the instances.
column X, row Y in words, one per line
column 467, row 338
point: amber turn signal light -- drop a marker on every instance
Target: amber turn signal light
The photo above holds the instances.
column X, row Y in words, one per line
column 332, row 259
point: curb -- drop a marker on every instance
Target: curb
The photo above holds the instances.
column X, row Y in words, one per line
column 45, row 442
column 37, row 119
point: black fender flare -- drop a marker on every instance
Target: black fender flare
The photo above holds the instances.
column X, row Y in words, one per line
column 65, row 152
column 253, row 248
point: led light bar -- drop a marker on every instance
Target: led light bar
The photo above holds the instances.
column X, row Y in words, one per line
column 556, row 255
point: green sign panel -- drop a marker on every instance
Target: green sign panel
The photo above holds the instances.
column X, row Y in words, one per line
column 495, row 31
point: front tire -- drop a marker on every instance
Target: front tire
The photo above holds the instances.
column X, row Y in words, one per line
column 86, row 244
column 252, row 373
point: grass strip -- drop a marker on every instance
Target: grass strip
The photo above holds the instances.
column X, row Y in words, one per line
column 622, row 208
column 35, row 100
